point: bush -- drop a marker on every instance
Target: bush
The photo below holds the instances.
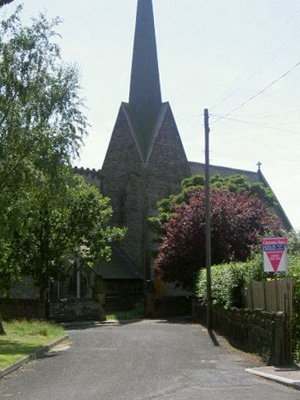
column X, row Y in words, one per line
column 237, row 223
column 294, row 264
column 228, row 279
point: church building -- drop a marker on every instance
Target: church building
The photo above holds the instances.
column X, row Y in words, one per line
column 145, row 161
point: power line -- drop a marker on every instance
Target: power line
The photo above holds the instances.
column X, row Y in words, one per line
column 226, row 95
column 260, row 92
column 253, row 123
column 256, row 71
column 289, row 113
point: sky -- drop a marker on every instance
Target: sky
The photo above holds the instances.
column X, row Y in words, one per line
column 237, row 58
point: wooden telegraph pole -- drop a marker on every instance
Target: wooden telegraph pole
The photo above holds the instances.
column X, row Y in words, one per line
column 207, row 222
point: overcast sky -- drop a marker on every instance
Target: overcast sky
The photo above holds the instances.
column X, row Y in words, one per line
column 213, row 54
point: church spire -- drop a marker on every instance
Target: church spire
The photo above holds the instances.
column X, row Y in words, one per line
column 145, row 94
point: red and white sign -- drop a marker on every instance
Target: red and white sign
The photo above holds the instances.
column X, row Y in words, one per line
column 275, row 254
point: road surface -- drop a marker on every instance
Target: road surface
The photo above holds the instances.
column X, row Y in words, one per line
column 145, row 360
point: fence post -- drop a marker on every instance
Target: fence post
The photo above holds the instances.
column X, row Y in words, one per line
column 251, row 295
column 265, row 307
column 288, row 300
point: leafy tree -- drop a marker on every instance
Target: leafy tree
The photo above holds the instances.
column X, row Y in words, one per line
column 237, row 222
column 233, row 183
column 40, row 106
column 46, row 212
column 293, row 242
column 64, row 224
column 41, row 124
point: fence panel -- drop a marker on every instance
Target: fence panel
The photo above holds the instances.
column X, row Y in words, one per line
column 271, row 296
column 258, row 295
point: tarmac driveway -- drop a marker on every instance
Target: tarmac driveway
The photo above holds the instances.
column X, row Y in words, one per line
column 144, row 360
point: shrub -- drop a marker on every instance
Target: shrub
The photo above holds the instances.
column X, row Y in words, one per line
column 237, row 223
column 228, row 279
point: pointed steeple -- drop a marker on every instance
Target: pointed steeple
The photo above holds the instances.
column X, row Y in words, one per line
column 145, row 94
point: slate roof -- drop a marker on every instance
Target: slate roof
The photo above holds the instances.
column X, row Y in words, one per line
column 115, row 269
column 199, row 168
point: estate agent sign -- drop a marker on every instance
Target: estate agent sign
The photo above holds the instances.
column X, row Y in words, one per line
column 275, row 254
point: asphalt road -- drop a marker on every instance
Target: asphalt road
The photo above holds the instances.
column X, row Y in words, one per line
column 145, row 360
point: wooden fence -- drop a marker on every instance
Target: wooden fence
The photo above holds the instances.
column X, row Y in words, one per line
column 270, row 296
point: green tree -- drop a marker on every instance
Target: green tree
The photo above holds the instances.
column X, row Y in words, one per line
column 64, row 224
column 40, row 103
column 46, row 212
column 233, row 183
column 41, row 122
column 237, row 223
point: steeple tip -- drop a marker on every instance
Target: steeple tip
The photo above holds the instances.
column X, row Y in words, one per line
column 145, row 91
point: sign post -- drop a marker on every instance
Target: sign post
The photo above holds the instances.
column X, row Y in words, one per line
column 275, row 254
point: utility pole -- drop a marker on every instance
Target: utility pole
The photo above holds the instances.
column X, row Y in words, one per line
column 207, row 222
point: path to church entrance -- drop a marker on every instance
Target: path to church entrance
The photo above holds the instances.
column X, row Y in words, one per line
column 146, row 360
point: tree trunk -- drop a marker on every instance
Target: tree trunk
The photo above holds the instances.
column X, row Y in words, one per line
column 2, row 331
column 43, row 292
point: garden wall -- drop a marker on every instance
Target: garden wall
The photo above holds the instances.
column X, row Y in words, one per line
column 172, row 306
column 63, row 311
column 76, row 310
column 21, row 309
column 255, row 331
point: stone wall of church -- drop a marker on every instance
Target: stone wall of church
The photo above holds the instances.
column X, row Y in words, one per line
column 134, row 189
column 91, row 176
column 122, row 179
column 168, row 164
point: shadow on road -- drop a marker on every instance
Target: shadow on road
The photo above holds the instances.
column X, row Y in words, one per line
column 82, row 325
column 213, row 338
column 173, row 320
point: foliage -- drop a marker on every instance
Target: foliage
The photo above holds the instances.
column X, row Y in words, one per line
column 136, row 313
column 293, row 242
column 23, row 328
column 237, row 222
column 24, row 338
column 46, row 212
column 40, row 107
column 233, row 183
column 228, row 279
column 70, row 220
column 41, row 120
column 294, row 267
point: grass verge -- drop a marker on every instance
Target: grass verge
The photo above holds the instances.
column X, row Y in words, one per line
column 125, row 315
column 25, row 337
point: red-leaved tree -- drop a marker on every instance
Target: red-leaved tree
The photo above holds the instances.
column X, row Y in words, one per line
column 237, row 222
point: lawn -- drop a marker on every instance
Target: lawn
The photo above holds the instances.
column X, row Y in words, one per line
column 25, row 337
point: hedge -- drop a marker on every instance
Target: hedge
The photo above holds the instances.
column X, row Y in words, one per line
column 228, row 279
